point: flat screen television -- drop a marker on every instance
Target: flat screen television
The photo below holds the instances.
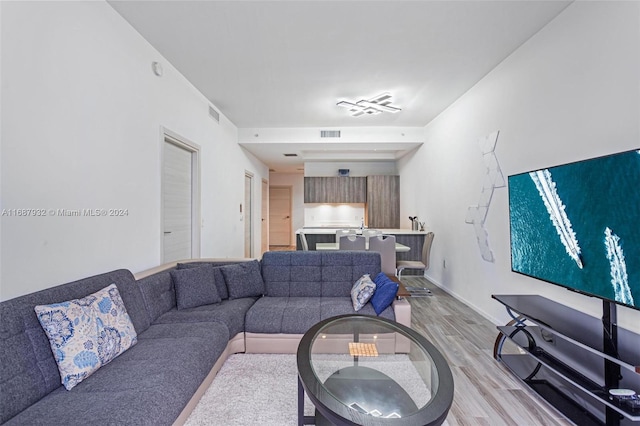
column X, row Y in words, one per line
column 577, row 225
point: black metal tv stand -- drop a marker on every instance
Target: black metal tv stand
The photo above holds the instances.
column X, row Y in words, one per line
column 571, row 359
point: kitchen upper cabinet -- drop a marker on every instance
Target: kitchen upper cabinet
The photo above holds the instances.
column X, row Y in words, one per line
column 335, row 189
column 316, row 189
column 353, row 190
column 383, row 201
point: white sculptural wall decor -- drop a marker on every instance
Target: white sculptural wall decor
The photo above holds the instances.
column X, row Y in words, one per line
column 477, row 214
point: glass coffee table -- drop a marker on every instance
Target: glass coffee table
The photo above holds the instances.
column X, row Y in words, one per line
column 359, row 370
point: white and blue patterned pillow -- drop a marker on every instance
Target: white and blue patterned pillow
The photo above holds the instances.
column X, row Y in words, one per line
column 362, row 291
column 87, row 333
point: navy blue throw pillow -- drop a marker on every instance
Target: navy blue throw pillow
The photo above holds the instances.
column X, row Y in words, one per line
column 385, row 293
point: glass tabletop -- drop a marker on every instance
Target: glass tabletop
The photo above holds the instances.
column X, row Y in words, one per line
column 358, row 369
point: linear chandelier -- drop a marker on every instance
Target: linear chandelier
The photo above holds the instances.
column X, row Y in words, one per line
column 376, row 105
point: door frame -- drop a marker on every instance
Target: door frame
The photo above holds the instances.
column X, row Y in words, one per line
column 168, row 136
column 264, row 218
column 248, row 214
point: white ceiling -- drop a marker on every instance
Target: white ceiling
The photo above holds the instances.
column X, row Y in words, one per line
column 283, row 64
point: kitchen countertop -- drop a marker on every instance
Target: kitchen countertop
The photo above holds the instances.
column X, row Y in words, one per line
column 326, row 230
column 400, row 248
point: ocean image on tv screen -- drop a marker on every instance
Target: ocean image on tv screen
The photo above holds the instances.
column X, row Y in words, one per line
column 578, row 226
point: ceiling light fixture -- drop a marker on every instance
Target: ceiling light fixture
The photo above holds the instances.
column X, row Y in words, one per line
column 376, row 105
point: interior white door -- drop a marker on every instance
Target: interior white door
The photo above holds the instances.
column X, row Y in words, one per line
column 280, row 215
column 177, row 192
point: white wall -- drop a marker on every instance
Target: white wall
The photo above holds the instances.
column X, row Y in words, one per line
column 296, row 182
column 569, row 93
column 81, row 119
column 1, row 94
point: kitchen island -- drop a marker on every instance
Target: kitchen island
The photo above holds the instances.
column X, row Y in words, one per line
column 406, row 237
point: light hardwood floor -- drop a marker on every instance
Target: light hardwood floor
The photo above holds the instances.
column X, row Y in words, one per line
column 486, row 393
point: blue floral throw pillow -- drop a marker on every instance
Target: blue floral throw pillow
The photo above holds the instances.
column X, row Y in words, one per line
column 362, row 291
column 87, row 333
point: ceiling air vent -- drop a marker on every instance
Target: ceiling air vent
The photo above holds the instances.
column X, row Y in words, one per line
column 214, row 114
column 290, row 155
column 329, row 133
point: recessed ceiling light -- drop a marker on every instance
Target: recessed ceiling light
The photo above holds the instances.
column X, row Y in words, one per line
column 376, row 105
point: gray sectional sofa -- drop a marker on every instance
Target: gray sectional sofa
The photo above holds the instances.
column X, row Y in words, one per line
column 160, row 379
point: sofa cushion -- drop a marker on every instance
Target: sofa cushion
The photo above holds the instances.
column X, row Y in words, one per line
column 28, row 370
column 362, row 291
column 221, row 285
column 386, row 291
column 86, row 334
column 149, row 384
column 231, row 313
column 291, row 315
column 159, row 290
column 296, row 315
column 342, row 268
column 195, row 287
column 243, row 279
column 315, row 273
column 159, row 294
column 288, row 273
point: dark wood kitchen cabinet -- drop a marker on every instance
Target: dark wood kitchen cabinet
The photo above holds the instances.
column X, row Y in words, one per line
column 383, row 201
column 335, row 189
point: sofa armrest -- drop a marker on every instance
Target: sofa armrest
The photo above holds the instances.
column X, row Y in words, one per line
column 402, row 310
column 171, row 265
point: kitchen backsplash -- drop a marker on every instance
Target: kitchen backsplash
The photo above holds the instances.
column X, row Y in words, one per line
column 333, row 215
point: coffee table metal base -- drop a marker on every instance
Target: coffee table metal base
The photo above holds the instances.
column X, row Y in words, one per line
column 302, row 419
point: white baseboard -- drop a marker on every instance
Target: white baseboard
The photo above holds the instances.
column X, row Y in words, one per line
column 447, row 290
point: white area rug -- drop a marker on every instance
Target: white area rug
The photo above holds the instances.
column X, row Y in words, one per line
column 263, row 389
column 252, row 389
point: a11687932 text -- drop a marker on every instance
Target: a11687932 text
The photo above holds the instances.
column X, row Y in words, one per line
column 65, row 212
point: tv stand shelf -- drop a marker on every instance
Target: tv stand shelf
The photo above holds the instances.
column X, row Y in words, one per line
column 565, row 356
